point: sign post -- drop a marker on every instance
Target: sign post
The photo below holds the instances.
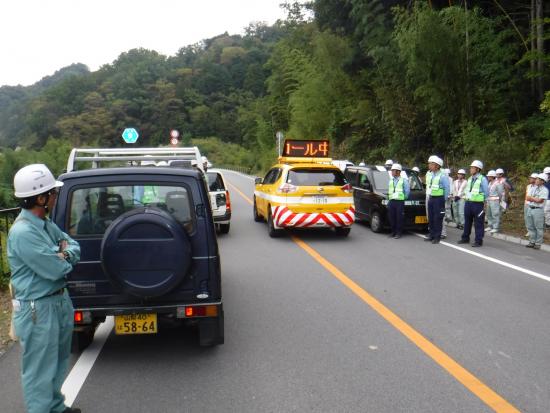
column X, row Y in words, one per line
column 280, row 137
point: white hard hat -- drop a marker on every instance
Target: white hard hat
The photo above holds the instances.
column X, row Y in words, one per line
column 500, row 171
column 447, row 171
column 547, row 170
column 534, row 175
column 461, row 171
column 543, row 177
column 34, row 180
column 396, row 167
column 492, row 173
column 389, row 162
column 361, row 164
column 435, row 159
column 477, row 164
column 416, row 169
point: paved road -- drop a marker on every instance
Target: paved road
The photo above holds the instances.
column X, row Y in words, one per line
column 300, row 339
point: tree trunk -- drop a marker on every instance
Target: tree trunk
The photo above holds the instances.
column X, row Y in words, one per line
column 533, row 35
column 540, row 47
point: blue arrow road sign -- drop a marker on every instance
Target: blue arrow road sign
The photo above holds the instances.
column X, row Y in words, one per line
column 130, row 135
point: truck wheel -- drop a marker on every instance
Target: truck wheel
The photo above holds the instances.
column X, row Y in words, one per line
column 82, row 339
column 257, row 217
column 211, row 331
column 224, row 228
column 271, row 230
column 376, row 224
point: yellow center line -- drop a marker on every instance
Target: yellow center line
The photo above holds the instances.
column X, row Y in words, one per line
column 468, row 380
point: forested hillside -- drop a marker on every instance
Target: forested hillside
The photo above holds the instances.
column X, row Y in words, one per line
column 381, row 79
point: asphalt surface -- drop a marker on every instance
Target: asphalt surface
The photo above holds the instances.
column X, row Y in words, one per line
column 297, row 339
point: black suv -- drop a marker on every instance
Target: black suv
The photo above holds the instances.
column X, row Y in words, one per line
column 148, row 251
column 370, row 194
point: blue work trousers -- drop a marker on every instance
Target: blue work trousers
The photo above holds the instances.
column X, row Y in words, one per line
column 474, row 213
column 396, row 215
column 436, row 213
column 45, row 335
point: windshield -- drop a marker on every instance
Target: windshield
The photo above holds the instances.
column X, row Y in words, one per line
column 315, row 177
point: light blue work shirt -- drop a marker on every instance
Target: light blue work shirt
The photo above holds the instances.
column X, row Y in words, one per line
column 33, row 245
column 484, row 184
column 443, row 182
column 406, row 186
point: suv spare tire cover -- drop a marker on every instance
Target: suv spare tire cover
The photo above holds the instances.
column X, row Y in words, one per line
column 146, row 252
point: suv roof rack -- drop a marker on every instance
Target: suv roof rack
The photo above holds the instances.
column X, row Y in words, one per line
column 98, row 155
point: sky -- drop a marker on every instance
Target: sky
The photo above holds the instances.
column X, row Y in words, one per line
column 38, row 37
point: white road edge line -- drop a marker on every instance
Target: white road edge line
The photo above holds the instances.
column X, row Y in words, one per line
column 496, row 261
column 76, row 378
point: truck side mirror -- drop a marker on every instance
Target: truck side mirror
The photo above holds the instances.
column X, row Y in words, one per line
column 258, row 181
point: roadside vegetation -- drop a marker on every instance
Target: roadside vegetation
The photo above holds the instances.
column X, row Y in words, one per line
column 381, row 79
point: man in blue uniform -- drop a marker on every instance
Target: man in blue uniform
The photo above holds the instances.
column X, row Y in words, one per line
column 437, row 192
column 398, row 191
column 475, row 194
column 40, row 257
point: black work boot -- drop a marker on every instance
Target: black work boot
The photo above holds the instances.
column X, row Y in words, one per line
column 72, row 410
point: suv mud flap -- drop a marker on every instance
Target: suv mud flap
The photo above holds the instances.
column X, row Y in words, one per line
column 211, row 331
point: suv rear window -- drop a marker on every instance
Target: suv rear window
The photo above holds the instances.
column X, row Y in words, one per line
column 93, row 209
column 215, row 182
column 315, row 177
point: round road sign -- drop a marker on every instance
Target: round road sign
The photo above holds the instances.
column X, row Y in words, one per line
column 174, row 134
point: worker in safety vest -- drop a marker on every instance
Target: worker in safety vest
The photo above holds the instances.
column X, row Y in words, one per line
column 398, row 191
column 538, row 195
column 532, row 178
column 437, row 191
column 475, row 194
column 494, row 200
column 459, row 184
column 547, row 204
column 40, row 257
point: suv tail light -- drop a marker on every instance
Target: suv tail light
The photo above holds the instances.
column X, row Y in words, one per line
column 288, row 188
column 227, row 200
column 82, row 317
column 347, row 188
column 201, row 311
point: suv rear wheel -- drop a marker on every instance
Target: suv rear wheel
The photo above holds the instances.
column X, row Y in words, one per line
column 271, row 230
column 257, row 217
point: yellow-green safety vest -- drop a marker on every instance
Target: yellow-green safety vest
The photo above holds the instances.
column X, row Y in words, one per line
column 397, row 193
column 473, row 192
column 432, row 181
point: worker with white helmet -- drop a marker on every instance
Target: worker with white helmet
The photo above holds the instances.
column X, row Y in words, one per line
column 388, row 164
column 475, row 194
column 494, row 201
column 40, row 257
column 532, row 178
column 537, row 197
column 547, row 205
column 398, row 192
column 437, row 191
column 416, row 169
column 458, row 187
column 448, row 204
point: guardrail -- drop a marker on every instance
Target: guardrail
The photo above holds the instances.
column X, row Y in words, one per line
column 7, row 216
column 242, row 170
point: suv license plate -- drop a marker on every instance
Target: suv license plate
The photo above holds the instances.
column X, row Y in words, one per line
column 421, row 219
column 136, row 324
column 320, row 199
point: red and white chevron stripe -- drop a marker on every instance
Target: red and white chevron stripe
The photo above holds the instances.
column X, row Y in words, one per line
column 285, row 218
